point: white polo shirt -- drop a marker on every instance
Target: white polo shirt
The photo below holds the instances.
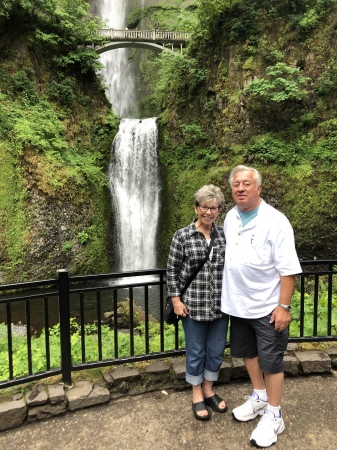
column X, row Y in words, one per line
column 256, row 256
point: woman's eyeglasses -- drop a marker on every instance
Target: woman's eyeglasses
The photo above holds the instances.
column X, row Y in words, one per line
column 204, row 209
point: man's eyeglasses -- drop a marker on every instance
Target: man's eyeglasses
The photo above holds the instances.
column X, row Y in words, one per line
column 206, row 208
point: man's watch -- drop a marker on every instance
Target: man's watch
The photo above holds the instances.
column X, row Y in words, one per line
column 286, row 307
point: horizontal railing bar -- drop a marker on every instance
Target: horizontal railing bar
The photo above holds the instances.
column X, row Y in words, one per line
column 118, row 287
column 317, row 262
column 30, row 297
column 313, row 339
column 30, row 378
column 28, row 285
column 80, row 278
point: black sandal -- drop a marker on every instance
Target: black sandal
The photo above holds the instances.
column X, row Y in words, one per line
column 214, row 402
column 200, row 406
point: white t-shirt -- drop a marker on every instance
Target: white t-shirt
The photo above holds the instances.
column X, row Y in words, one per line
column 256, row 256
column 211, row 252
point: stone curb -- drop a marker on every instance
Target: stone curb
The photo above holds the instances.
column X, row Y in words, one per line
column 45, row 401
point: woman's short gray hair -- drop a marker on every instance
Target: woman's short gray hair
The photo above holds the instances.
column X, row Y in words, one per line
column 209, row 192
column 257, row 176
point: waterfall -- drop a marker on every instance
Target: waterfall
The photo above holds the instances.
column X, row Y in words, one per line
column 133, row 170
column 135, row 188
column 117, row 72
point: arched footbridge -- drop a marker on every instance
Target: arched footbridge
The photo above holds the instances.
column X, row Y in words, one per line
column 149, row 39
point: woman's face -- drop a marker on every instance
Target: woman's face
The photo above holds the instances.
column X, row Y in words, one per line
column 207, row 212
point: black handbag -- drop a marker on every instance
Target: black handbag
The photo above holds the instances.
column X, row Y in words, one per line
column 169, row 316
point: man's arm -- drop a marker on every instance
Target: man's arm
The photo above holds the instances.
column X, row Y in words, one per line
column 280, row 316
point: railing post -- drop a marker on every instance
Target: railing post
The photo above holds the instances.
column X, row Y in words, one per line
column 65, row 325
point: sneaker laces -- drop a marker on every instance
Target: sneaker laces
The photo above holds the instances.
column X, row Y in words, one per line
column 251, row 401
column 268, row 416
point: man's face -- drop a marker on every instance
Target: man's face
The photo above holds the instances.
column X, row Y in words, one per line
column 245, row 193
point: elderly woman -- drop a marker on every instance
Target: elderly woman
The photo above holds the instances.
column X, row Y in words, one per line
column 204, row 324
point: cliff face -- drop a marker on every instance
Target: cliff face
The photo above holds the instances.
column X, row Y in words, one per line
column 55, row 133
column 257, row 87
column 56, row 126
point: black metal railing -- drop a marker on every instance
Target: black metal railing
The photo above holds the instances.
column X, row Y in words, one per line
column 48, row 310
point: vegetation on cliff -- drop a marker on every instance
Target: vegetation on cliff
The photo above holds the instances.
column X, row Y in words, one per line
column 256, row 86
column 55, row 133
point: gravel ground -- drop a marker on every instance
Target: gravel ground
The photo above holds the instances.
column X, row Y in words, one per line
column 164, row 420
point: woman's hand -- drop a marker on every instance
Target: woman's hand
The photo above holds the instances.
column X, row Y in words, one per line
column 179, row 308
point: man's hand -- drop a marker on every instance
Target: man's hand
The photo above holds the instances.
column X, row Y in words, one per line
column 281, row 318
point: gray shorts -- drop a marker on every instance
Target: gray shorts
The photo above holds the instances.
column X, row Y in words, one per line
column 257, row 337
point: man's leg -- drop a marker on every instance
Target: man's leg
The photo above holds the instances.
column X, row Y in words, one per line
column 257, row 401
column 254, row 372
column 274, row 385
column 271, row 424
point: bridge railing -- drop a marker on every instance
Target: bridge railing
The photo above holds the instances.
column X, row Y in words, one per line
column 145, row 35
column 80, row 339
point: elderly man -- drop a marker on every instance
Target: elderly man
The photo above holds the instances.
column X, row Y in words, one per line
column 258, row 282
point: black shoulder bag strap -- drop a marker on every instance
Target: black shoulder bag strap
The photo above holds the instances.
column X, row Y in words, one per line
column 197, row 270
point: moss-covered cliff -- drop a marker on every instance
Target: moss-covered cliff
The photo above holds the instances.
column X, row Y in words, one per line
column 256, row 86
column 55, row 133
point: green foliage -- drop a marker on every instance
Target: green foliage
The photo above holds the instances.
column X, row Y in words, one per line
column 269, row 148
column 135, row 17
column 56, row 128
column 67, row 246
column 5, row 8
column 211, row 13
column 62, row 91
column 174, row 16
column 38, row 127
column 178, row 72
column 283, row 83
column 244, row 24
column 313, row 12
column 327, row 82
column 83, row 237
column 60, row 26
column 192, row 134
column 14, row 218
column 309, row 311
column 20, row 356
column 186, row 73
column 275, row 148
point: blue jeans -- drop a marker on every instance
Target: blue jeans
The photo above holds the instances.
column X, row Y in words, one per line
column 205, row 345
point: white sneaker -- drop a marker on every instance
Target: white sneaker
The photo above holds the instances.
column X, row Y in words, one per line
column 269, row 426
column 250, row 409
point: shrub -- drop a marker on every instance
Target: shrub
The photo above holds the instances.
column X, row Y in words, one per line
column 283, row 83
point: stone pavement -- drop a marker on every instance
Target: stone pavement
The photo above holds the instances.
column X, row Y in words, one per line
column 164, row 420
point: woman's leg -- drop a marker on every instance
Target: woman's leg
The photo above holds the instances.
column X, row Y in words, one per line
column 215, row 347
column 195, row 346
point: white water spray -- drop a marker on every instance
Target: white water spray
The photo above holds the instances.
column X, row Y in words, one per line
column 135, row 188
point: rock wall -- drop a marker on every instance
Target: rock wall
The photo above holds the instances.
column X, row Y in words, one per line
column 45, row 401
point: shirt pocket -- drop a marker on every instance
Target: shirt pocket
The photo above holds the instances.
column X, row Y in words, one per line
column 257, row 255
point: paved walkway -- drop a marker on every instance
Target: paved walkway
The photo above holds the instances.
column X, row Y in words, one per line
column 163, row 421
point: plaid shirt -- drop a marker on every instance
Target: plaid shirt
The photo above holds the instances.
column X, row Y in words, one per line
column 188, row 249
